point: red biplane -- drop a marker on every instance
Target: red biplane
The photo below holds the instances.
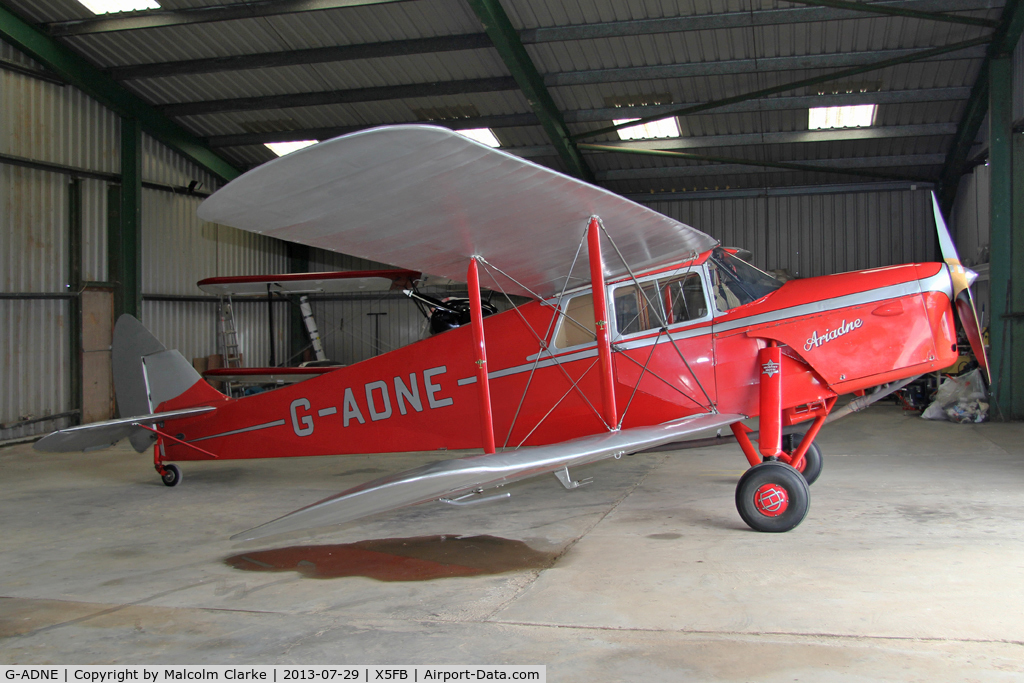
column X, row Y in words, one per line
column 639, row 332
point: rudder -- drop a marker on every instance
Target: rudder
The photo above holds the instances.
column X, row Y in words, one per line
column 147, row 375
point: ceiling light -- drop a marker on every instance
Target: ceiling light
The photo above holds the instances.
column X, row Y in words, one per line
column 484, row 135
column 282, row 148
column 111, row 6
column 666, row 128
column 856, row 116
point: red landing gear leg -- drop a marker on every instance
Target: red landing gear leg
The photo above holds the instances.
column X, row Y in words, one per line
column 771, row 496
column 169, row 474
column 801, row 452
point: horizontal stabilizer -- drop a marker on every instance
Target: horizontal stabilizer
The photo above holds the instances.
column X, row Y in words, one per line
column 449, row 478
column 98, row 435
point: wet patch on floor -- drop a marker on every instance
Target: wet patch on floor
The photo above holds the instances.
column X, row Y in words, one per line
column 399, row 559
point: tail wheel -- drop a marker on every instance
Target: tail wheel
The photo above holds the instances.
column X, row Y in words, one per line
column 811, row 465
column 772, row 497
column 171, row 476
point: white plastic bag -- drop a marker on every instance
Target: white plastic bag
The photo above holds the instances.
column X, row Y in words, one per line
column 960, row 399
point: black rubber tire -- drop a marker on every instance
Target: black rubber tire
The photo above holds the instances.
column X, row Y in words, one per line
column 812, row 459
column 781, row 475
column 171, row 475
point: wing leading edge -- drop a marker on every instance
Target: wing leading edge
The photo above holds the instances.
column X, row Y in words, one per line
column 429, row 199
column 449, row 478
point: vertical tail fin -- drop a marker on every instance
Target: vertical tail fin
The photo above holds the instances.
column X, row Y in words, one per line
column 147, row 376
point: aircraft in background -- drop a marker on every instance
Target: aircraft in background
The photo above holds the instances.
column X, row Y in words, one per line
column 639, row 331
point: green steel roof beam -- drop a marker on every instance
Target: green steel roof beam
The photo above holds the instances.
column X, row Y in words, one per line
column 510, row 48
column 689, row 156
column 594, row 76
column 79, row 73
column 1004, row 40
column 899, row 12
column 966, row 132
column 314, row 99
column 757, row 94
column 603, row 114
column 316, row 55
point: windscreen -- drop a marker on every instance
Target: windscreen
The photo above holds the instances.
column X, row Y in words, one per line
column 736, row 282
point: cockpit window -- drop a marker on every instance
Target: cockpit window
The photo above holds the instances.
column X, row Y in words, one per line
column 577, row 325
column 684, row 298
column 661, row 302
column 735, row 282
column 636, row 311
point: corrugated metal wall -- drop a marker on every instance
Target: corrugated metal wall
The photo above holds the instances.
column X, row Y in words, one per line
column 178, row 250
column 969, row 221
column 57, row 124
column 35, row 365
column 34, row 348
column 48, row 122
column 818, row 234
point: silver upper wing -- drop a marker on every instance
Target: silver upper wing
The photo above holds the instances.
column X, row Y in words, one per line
column 428, row 199
column 449, row 478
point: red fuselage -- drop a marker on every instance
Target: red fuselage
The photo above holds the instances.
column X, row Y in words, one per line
column 839, row 333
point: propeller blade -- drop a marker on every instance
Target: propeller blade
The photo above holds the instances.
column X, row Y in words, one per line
column 962, row 279
column 969, row 319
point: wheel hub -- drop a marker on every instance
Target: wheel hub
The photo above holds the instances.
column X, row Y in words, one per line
column 771, row 500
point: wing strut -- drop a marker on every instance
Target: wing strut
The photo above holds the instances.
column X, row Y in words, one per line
column 480, row 351
column 604, row 347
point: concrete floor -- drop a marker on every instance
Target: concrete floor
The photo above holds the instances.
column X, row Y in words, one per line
column 909, row 567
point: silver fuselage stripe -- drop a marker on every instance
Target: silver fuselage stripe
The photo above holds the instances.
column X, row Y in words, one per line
column 940, row 282
column 267, row 425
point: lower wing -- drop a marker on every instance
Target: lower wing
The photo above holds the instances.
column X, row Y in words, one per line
column 449, row 478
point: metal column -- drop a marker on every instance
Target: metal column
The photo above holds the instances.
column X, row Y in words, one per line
column 75, row 289
column 1001, row 243
column 124, row 229
column 1016, row 322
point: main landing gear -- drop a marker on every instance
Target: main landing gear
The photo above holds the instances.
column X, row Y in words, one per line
column 772, row 497
column 774, row 494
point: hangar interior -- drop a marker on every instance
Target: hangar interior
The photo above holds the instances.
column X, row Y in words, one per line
column 114, row 128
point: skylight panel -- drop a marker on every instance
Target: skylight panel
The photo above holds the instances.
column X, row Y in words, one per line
column 483, row 135
column 112, row 6
column 665, row 128
column 856, row 116
column 282, row 148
